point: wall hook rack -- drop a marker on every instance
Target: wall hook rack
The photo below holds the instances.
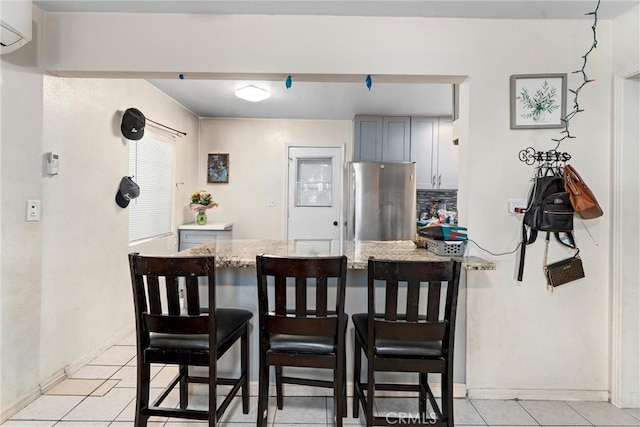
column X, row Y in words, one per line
column 529, row 156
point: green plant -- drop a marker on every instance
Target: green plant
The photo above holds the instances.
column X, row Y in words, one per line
column 542, row 100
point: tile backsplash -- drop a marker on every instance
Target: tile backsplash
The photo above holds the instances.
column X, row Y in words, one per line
column 426, row 197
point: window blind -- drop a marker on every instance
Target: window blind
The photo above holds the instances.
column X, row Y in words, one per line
column 152, row 164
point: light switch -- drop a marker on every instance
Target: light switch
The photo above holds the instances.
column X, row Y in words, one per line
column 33, row 210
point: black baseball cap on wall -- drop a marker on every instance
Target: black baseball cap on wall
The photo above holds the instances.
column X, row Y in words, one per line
column 127, row 191
column 133, row 122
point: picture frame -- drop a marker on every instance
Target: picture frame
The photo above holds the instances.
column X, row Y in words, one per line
column 538, row 101
column 218, row 168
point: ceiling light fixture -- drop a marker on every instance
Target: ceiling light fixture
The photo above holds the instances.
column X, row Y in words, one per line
column 252, row 93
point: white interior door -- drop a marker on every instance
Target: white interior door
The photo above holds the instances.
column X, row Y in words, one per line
column 314, row 198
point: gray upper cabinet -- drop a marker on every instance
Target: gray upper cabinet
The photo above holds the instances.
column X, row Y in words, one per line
column 382, row 139
column 434, row 153
column 428, row 141
column 447, row 155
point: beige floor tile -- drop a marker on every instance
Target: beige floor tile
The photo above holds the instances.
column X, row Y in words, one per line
column 634, row 412
column 105, row 387
column 604, row 414
column 129, row 413
column 74, row 387
column 116, row 355
column 164, row 375
column 95, row 372
column 128, row 375
column 503, row 412
column 302, row 410
column 104, row 408
column 23, row 423
column 130, row 339
column 48, row 408
column 83, row 424
column 556, row 413
column 130, row 424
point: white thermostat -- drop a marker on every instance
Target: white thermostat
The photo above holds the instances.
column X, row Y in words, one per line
column 52, row 163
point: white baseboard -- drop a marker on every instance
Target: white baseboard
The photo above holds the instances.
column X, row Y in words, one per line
column 60, row 375
column 54, row 379
column 537, row 394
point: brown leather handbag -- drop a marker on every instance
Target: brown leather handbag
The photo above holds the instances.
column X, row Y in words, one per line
column 582, row 199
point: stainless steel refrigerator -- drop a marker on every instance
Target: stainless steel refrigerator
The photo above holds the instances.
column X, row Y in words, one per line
column 382, row 201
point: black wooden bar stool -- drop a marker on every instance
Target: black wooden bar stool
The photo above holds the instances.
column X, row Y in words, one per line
column 401, row 337
column 298, row 333
column 167, row 334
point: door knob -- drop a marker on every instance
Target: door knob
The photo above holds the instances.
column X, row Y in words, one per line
column 335, row 223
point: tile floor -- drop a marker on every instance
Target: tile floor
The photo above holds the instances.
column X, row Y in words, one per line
column 102, row 394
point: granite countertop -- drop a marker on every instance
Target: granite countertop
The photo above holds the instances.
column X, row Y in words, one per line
column 241, row 253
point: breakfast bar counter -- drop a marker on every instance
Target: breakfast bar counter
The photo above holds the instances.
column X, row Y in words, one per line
column 236, row 283
column 241, row 253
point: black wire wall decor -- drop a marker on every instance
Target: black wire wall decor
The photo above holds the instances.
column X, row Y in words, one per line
column 553, row 157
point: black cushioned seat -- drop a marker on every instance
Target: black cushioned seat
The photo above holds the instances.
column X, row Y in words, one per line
column 311, row 344
column 229, row 322
column 402, row 348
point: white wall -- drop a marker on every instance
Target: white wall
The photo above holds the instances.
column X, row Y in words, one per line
column 258, row 166
column 626, row 41
column 65, row 282
column 85, row 241
column 21, row 242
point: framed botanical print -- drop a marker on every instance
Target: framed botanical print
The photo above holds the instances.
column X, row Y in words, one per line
column 538, row 101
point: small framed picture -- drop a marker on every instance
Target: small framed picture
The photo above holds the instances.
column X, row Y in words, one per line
column 538, row 101
column 218, row 168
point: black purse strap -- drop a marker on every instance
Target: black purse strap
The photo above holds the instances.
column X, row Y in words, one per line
column 523, row 250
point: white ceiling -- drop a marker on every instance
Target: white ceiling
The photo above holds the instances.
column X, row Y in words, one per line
column 500, row 9
column 331, row 100
column 309, row 100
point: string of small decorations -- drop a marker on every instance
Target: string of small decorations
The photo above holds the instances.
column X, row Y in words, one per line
column 586, row 80
column 529, row 155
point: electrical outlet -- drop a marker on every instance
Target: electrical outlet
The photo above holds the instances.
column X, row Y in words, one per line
column 516, row 206
column 33, row 210
column 271, row 203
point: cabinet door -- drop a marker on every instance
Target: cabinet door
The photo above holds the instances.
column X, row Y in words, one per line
column 447, row 156
column 191, row 238
column 367, row 145
column 424, row 139
column 396, row 139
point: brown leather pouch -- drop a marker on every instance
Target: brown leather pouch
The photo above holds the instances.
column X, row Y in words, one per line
column 565, row 271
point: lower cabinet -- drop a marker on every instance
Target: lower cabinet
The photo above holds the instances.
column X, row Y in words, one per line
column 192, row 234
